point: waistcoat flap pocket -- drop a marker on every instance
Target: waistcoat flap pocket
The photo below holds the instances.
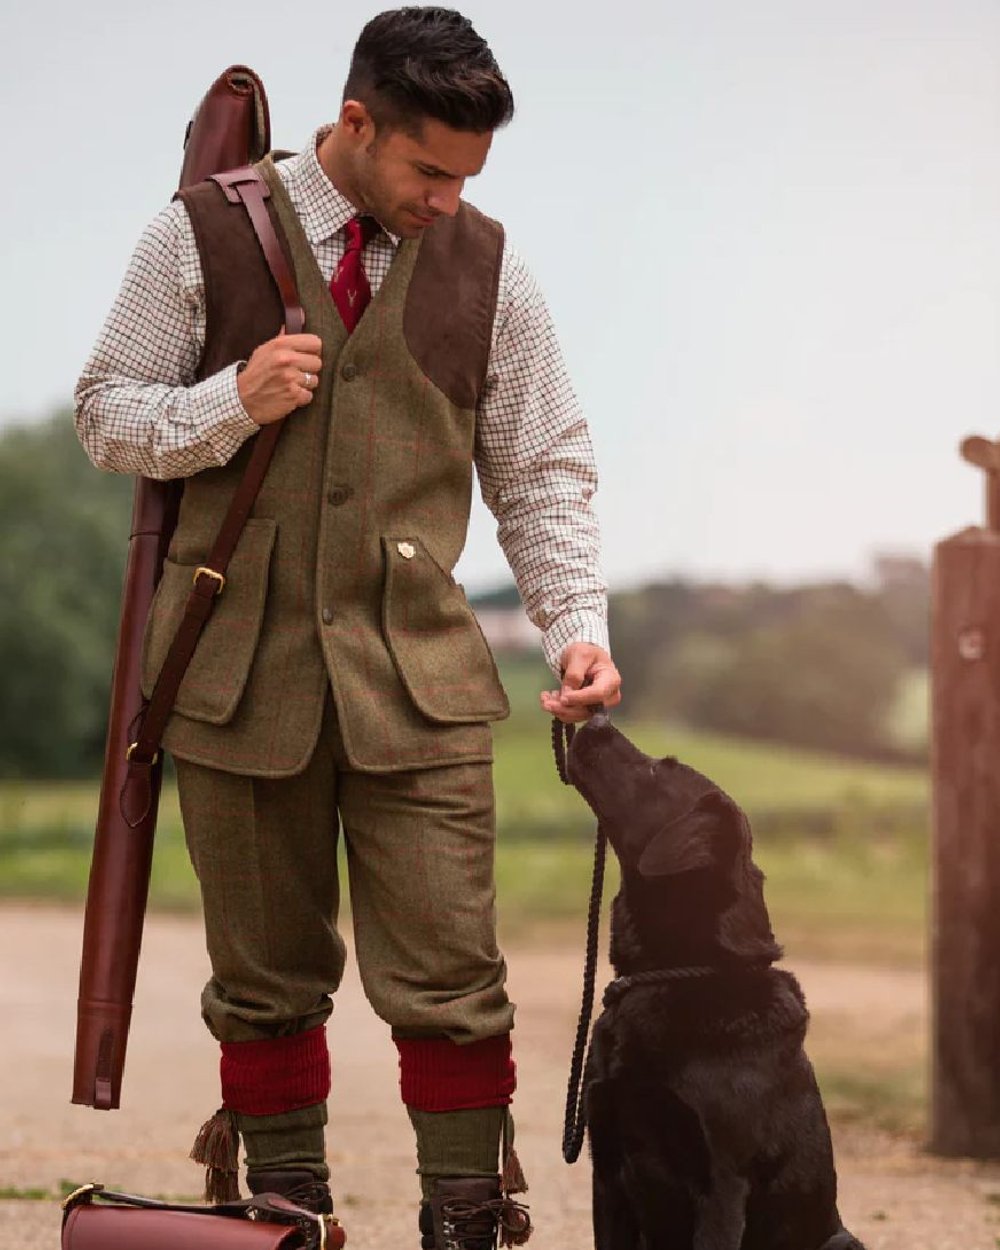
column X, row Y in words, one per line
column 217, row 675
column 434, row 639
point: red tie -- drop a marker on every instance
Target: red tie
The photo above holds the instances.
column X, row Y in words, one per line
column 349, row 284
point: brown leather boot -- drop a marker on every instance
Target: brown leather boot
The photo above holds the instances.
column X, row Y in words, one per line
column 471, row 1213
column 300, row 1187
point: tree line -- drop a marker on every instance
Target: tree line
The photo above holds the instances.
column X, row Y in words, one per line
column 821, row 665
column 817, row 665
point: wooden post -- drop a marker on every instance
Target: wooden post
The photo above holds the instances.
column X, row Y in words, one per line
column 965, row 685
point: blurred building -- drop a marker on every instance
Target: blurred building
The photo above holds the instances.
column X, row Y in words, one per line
column 507, row 629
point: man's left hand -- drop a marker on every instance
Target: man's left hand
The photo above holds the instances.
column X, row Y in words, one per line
column 589, row 680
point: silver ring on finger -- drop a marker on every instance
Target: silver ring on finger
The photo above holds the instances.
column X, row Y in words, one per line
column 307, row 380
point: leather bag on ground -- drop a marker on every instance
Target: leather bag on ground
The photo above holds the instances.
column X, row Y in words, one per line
column 95, row 1219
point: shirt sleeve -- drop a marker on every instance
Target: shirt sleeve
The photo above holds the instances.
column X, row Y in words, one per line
column 536, row 470
column 139, row 408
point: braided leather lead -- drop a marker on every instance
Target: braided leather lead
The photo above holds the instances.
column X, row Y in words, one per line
column 562, row 736
column 576, row 1120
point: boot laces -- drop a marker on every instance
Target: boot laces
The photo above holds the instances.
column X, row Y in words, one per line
column 313, row 1195
column 475, row 1225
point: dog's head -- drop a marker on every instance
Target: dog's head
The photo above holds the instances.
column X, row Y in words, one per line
column 690, row 890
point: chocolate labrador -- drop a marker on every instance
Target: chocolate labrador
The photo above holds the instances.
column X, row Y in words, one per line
column 707, row 1130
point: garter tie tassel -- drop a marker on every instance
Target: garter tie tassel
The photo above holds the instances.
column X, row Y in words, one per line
column 217, row 1148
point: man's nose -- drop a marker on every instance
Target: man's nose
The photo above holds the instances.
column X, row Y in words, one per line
column 445, row 200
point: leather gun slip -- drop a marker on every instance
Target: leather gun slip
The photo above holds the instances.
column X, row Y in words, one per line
column 230, row 128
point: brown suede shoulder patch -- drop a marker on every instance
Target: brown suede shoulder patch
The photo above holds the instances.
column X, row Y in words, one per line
column 451, row 302
column 242, row 307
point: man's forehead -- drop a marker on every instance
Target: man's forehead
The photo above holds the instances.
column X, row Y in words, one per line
column 458, row 153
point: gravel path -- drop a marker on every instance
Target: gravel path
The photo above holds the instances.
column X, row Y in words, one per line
column 892, row 1195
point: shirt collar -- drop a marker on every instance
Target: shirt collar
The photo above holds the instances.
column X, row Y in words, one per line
column 322, row 209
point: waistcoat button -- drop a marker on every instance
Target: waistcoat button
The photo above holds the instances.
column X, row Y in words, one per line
column 327, row 616
column 337, row 495
column 349, row 372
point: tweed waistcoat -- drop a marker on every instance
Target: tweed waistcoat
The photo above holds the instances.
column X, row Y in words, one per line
column 343, row 575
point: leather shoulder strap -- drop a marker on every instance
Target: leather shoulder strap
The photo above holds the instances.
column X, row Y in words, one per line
column 246, row 187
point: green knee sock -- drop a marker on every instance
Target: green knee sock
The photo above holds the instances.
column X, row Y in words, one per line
column 291, row 1140
column 457, row 1143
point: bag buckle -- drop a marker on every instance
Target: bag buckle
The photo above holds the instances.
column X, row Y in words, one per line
column 91, row 1188
column 325, row 1222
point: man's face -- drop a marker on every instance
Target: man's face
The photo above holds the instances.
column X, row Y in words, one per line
column 409, row 180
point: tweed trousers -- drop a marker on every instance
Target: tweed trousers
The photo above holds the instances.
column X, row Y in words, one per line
column 419, row 848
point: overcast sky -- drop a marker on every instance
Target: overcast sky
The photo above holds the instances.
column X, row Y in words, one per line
column 769, row 235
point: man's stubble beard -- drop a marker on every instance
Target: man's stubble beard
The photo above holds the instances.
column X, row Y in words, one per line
column 376, row 201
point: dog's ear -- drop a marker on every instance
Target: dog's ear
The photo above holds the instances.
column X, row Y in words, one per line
column 745, row 927
column 689, row 841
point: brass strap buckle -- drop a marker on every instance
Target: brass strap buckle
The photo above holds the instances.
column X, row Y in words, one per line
column 131, row 749
column 218, row 578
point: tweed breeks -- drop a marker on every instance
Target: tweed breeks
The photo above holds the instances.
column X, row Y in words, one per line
column 419, row 848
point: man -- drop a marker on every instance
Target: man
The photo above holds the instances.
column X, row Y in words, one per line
column 342, row 678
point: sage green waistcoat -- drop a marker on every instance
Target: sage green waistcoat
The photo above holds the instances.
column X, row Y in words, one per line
column 343, row 575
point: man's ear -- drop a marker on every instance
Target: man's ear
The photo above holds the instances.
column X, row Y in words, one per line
column 690, row 841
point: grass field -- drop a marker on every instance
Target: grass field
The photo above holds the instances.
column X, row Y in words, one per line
column 843, row 844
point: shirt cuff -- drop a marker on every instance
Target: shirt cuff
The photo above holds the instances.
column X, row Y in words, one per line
column 227, row 423
column 577, row 626
column 232, row 393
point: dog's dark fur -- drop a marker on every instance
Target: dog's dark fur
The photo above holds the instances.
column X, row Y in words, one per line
column 707, row 1130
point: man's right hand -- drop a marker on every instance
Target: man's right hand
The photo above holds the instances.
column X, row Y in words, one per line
column 280, row 376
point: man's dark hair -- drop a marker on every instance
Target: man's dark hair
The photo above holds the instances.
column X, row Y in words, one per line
column 413, row 63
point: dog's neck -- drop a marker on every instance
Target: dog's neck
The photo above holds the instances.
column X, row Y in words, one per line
column 626, row 953
column 638, row 946
column 630, row 951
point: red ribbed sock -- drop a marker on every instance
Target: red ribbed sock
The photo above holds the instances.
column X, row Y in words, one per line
column 276, row 1074
column 436, row 1074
